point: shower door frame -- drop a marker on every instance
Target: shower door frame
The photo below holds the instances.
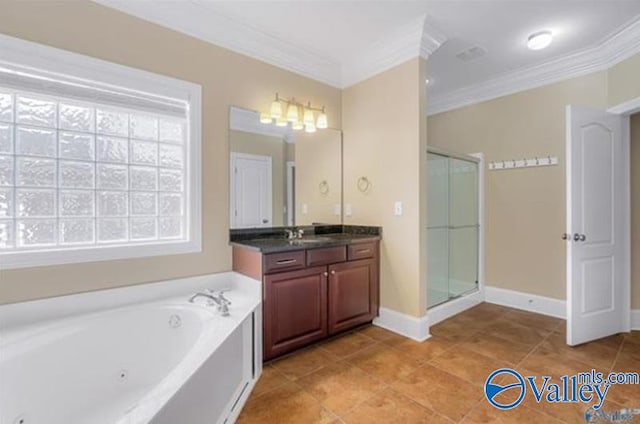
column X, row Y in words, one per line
column 458, row 304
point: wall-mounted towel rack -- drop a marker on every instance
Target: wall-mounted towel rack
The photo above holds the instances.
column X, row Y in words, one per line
column 523, row 163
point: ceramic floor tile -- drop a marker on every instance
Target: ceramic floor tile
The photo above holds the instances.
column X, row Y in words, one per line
column 377, row 333
column 440, row 391
column 484, row 413
column 422, row 351
column 347, row 344
column 468, row 365
column 389, row 407
column 340, row 388
column 384, row 362
column 454, row 330
column 597, row 354
column 303, row 362
column 543, row 361
column 515, row 332
column 533, row 320
column 269, row 380
column 287, row 404
column 496, row 347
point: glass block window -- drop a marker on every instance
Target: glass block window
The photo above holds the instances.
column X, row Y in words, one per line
column 79, row 174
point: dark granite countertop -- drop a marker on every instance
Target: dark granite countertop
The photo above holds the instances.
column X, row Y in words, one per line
column 274, row 240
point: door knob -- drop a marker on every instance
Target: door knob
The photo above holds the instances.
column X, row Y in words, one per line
column 583, row 237
column 566, row 236
column 579, row 237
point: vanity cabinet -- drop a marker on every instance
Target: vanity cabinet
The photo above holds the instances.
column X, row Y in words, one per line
column 295, row 310
column 312, row 293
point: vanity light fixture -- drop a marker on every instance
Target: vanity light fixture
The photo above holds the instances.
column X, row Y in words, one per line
column 294, row 111
column 539, row 40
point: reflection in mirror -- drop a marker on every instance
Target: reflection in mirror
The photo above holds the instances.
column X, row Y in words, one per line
column 281, row 177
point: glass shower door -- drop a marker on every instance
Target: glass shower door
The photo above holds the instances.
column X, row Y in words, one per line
column 453, row 228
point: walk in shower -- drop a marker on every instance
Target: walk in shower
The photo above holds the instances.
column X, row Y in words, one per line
column 453, row 229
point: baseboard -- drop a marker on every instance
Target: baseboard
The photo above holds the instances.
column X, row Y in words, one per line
column 454, row 307
column 635, row 319
column 406, row 325
column 526, row 302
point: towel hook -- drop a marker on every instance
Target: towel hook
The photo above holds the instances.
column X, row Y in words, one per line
column 363, row 184
column 323, row 187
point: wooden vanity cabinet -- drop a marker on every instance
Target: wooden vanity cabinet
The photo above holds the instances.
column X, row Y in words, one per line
column 294, row 310
column 310, row 294
column 353, row 294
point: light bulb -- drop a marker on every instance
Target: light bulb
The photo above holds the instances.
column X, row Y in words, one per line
column 265, row 118
column 292, row 113
column 322, row 121
column 539, row 40
column 276, row 109
column 297, row 125
column 281, row 122
column 310, row 128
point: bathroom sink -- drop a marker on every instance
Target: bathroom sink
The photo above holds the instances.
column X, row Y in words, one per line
column 307, row 241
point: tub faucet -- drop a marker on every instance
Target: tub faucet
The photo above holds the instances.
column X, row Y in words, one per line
column 219, row 300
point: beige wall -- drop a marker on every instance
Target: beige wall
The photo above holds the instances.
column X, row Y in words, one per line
column 318, row 158
column 227, row 78
column 275, row 148
column 624, row 81
column 385, row 140
column 524, row 208
column 635, row 211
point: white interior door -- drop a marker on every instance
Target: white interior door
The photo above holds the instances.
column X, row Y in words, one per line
column 598, row 303
column 250, row 191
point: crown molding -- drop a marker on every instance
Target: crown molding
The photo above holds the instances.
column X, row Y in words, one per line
column 615, row 48
column 249, row 121
column 416, row 38
column 199, row 20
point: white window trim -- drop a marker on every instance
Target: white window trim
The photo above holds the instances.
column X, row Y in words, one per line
column 39, row 57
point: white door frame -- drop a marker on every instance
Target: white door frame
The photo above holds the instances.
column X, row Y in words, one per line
column 626, row 109
column 290, row 206
column 232, row 180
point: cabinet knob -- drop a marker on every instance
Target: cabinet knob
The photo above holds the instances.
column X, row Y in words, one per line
column 326, row 273
column 333, row 271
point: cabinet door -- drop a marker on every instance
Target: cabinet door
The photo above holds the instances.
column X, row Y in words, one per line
column 353, row 294
column 295, row 310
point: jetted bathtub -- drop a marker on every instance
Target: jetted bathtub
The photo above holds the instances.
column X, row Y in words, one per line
column 164, row 361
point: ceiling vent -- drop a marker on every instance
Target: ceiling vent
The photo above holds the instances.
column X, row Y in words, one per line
column 472, row 53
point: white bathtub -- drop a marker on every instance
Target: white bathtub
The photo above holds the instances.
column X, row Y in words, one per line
column 161, row 360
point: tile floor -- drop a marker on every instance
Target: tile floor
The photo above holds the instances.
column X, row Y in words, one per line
column 374, row 376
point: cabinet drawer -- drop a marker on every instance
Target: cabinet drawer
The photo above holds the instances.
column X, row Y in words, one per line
column 285, row 261
column 327, row 255
column 361, row 251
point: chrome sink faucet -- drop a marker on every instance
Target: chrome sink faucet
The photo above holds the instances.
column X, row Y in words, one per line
column 214, row 298
column 292, row 235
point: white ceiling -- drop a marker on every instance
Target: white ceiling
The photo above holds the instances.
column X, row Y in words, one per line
column 343, row 42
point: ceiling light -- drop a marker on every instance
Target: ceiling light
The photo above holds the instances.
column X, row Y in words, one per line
column 539, row 40
column 310, row 128
column 297, row 125
column 281, row 122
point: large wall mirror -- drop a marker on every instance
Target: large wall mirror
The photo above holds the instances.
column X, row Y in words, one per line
column 281, row 177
